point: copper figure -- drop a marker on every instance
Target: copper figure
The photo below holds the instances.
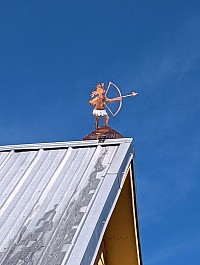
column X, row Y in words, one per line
column 100, row 101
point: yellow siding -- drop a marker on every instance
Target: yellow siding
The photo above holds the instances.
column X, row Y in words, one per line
column 120, row 240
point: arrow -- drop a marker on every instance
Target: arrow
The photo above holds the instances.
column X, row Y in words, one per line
column 133, row 94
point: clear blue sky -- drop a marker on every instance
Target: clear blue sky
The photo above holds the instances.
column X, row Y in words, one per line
column 52, row 53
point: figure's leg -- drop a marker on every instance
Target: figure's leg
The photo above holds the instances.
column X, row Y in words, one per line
column 97, row 121
column 106, row 119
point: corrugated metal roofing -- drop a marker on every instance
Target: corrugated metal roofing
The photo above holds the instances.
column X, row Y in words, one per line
column 55, row 199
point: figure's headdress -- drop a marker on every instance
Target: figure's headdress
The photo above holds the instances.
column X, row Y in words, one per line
column 100, row 85
column 94, row 93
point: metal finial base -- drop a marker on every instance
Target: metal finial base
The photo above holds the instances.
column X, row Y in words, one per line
column 103, row 133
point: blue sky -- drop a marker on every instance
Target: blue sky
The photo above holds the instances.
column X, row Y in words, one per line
column 52, row 53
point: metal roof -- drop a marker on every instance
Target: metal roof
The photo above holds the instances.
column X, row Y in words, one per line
column 56, row 198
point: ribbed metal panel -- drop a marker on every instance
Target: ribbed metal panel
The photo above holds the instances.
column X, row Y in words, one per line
column 46, row 194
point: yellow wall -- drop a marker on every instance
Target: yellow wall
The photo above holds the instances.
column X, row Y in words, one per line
column 120, row 239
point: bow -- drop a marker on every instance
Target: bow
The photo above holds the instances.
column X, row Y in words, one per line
column 120, row 96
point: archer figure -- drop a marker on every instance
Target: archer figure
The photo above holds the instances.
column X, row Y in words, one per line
column 100, row 102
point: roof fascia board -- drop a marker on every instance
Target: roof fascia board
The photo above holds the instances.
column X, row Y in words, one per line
column 126, row 151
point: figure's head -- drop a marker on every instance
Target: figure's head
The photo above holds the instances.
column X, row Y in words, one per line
column 100, row 88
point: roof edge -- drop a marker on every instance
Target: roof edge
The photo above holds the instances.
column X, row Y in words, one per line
column 56, row 145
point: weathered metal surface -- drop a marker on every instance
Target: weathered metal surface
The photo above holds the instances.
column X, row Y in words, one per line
column 103, row 133
column 47, row 195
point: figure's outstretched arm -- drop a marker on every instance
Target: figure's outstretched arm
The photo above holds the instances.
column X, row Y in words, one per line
column 110, row 100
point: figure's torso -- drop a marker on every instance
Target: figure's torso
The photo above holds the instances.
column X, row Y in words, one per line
column 100, row 103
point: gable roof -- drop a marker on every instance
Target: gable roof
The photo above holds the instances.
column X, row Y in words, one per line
column 56, row 198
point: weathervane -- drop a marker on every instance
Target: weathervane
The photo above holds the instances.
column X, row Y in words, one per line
column 99, row 101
